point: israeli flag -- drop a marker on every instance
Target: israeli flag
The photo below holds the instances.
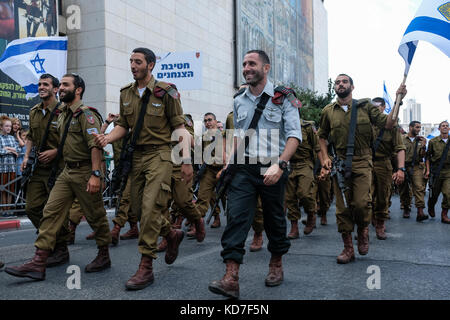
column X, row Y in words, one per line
column 25, row 60
column 434, row 134
column 387, row 99
column 432, row 24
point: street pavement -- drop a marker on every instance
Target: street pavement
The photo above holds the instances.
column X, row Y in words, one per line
column 412, row 264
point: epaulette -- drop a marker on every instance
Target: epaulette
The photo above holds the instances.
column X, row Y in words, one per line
column 162, row 88
column 362, row 102
column 282, row 92
column 126, row 87
column 241, row 91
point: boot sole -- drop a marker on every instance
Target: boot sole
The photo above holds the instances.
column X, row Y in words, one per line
column 108, row 265
column 273, row 284
column 220, row 291
column 58, row 263
column 135, row 287
column 31, row 275
column 292, row 237
column 352, row 259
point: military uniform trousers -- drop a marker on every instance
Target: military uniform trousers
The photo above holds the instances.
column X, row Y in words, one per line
column 359, row 196
column 124, row 213
column 37, row 196
column 207, row 192
column 258, row 221
column 76, row 213
column 417, row 185
column 301, row 190
column 382, row 184
column 72, row 184
column 324, row 193
column 243, row 192
column 150, row 195
column 443, row 185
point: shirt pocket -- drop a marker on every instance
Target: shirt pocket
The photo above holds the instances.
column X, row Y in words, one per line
column 75, row 126
column 128, row 113
column 155, row 115
column 240, row 119
column 272, row 116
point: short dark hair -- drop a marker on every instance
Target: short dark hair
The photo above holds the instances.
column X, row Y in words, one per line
column 78, row 82
column 379, row 100
column 55, row 81
column 148, row 54
column 346, row 75
column 440, row 124
column 413, row 123
column 210, row 114
column 262, row 55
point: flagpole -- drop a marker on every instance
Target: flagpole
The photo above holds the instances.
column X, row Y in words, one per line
column 396, row 110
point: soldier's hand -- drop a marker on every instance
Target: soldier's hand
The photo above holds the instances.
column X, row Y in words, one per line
column 426, row 173
column 219, row 174
column 398, row 177
column 327, row 164
column 47, row 156
column 187, row 173
column 23, row 166
column 112, row 117
column 273, row 174
column 323, row 174
column 93, row 185
column 101, row 140
column 401, row 92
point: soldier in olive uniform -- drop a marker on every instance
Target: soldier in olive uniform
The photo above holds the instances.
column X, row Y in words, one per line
column 334, row 126
column 301, row 187
column 324, row 192
column 151, row 170
column 80, row 178
column 415, row 181
column 436, row 148
column 44, row 116
column 387, row 142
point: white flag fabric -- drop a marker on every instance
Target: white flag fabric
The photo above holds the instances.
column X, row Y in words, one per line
column 432, row 24
column 25, row 60
column 387, row 99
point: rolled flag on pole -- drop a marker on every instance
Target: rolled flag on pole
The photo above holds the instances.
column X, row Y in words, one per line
column 432, row 24
column 387, row 99
column 25, row 60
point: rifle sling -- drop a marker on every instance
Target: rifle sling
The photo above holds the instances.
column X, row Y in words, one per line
column 378, row 141
column 351, row 141
column 414, row 157
column 140, row 121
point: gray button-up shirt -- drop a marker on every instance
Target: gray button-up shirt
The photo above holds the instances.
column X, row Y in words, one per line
column 276, row 125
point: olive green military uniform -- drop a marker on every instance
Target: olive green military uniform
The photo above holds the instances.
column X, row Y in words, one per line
column 415, row 184
column 152, row 164
column 391, row 143
column 436, row 148
column 37, row 189
column 258, row 220
column 301, row 187
column 75, row 212
column 334, row 126
column 72, row 182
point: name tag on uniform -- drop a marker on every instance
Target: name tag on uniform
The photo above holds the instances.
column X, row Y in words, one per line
column 92, row 131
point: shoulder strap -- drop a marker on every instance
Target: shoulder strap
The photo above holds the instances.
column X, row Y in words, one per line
column 351, row 141
column 281, row 92
column 442, row 161
column 239, row 93
column 44, row 139
column 414, row 157
column 140, row 121
column 378, row 141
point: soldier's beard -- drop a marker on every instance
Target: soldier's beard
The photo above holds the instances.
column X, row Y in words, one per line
column 258, row 76
column 69, row 96
column 344, row 94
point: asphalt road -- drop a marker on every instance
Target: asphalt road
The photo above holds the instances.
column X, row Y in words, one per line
column 412, row 264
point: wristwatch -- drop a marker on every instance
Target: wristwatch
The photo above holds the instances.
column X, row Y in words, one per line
column 96, row 173
column 283, row 165
column 402, row 169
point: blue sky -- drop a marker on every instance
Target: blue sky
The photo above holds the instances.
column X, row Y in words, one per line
column 364, row 36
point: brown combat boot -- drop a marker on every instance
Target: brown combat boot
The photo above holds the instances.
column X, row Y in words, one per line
column 115, row 233
column 444, row 217
column 101, row 261
column 162, row 246
column 431, row 212
column 293, row 234
column 72, row 228
column 275, row 276
column 420, row 215
column 310, row 223
column 363, row 240
column 143, row 277
column 323, row 218
column 380, row 229
column 35, row 269
column 257, row 242
column 216, row 223
column 178, row 222
column 406, row 213
column 58, row 256
column 229, row 285
column 348, row 254
column 200, row 232
column 91, row 236
column 133, row 233
column 192, row 231
column 174, row 239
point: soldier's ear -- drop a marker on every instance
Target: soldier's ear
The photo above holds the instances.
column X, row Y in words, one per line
column 151, row 66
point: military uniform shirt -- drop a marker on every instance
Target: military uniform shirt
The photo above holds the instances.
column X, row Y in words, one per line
column 80, row 138
column 391, row 142
column 410, row 150
column 309, row 145
column 162, row 116
column 436, row 148
column 335, row 127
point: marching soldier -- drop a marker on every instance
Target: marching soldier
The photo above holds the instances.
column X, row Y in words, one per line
column 324, row 192
column 301, row 187
column 80, row 178
column 438, row 157
column 43, row 137
column 387, row 142
column 153, row 107
column 415, row 181
column 347, row 124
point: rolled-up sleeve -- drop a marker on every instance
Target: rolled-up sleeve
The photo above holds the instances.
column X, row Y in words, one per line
column 324, row 130
column 291, row 119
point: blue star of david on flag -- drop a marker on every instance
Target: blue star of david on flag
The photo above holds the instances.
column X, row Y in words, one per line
column 38, row 64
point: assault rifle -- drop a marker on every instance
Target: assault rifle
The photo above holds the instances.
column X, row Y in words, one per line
column 28, row 172
column 338, row 170
column 224, row 182
column 198, row 177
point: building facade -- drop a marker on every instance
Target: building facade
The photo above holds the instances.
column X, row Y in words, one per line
column 412, row 111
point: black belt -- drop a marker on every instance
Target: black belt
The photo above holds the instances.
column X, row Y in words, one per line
column 149, row 147
column 78, row 164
